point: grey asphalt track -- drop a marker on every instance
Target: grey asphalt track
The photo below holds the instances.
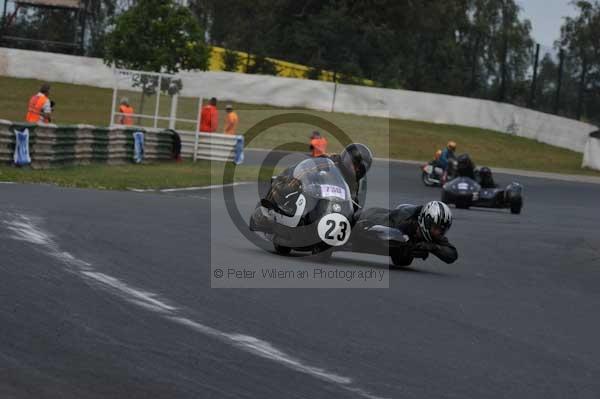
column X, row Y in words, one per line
column 108, row 295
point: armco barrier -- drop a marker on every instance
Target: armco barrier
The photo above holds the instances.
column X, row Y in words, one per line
column 51, row 145
column 212, row 146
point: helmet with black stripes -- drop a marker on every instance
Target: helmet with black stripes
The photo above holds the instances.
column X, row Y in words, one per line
column 435, row 215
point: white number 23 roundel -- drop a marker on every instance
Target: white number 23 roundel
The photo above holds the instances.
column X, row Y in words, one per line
column 334, row 229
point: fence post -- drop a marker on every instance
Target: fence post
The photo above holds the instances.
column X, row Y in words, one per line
column 334, row 95
column 157, row 105
column 173, row 115
column 114, row 96
column 197, row 130
column 196, row 145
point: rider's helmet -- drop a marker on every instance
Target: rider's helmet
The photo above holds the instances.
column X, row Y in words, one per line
column 465, row 166
column 359, row 156
column 434, row 220
column 485, row 175
column 438, row 154
column 451, row 145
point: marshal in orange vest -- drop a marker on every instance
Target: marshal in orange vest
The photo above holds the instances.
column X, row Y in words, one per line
column 35, row 109
column 318, row 145
column 127, row 111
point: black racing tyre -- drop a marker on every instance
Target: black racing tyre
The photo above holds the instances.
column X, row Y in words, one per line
column 445, row 197
column 322, row 255
column 426, row 180
column 281, row 250
column 462, row 204
column 515, row 207
column 400, row 260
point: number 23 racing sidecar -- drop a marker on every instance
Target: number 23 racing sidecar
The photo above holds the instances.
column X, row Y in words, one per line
column 308, row 208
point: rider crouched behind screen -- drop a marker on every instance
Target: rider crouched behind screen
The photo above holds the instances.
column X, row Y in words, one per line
column 353, row 162
column 424, row 228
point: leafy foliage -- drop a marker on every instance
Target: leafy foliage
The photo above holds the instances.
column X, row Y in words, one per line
column 231, row 60
column 263, row 66
column 446, row 46
column 156, row 35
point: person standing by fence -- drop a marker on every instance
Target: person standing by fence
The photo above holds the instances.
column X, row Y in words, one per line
column 40, row 107
column 126, row 112
column 231, row 120
column 209, row 117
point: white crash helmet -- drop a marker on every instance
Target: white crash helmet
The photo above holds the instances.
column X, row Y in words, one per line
column 434, row 213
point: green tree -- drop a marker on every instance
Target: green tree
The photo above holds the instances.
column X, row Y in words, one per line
column 263, row 66
column 231, row 60
column 99, row 15
column 464, row 47
column 242, row 25
column 159, row 36
column 46, row 29
column 313, row 74
column 497, row 50
column 547, row 82
column 156, row 36
column 580, row 36
column 328, row 38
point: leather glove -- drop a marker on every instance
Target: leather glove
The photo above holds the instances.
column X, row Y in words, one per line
column 421, row 250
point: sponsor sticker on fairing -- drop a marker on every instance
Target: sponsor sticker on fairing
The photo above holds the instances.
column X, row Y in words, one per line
column 329, row 191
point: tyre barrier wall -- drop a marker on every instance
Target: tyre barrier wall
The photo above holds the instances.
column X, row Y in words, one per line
column 53, row 145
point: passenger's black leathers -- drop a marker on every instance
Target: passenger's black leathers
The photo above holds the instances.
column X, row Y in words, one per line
column 404, row 218
column 487, row 182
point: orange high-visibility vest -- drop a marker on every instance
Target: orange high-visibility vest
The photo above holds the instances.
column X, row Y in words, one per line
column 35, row 107
column 209, row 119
column 231, row 120
column 126, row 119
column 318, row 146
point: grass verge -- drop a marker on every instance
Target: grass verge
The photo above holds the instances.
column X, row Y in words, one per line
column 123, row 177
